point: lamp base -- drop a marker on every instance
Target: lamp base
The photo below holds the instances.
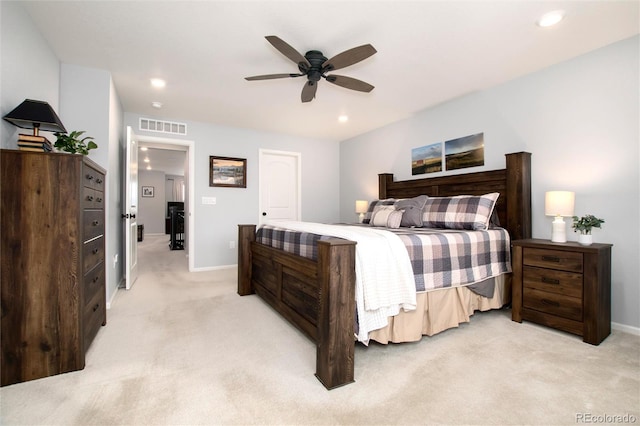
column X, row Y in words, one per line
column 360, row 217
column 558, row 230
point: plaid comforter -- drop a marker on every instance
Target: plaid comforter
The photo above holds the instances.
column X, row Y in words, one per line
column 440, row 258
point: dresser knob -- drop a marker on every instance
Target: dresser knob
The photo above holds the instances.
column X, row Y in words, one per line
column 95, row 223
column 90, row 177
column 99, row 199
column 98, row 180
column 95, row 308
column 95, row 251
column 89, row 198
column 95, row 280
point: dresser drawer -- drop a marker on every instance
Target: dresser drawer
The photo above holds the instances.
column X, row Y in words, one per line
column 93, row 224
column 92, row 198
column 552, row 303
column 93, row 178
column 553, row 259
column 94, row 316
column 92, row 254
column 93, row 282
column 553, row 281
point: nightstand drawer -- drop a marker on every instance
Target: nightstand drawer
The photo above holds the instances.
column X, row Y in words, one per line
column 552, row 303
column 550, row 280
column 553, row 259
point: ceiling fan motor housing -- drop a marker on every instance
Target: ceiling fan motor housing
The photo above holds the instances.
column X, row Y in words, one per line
column 316, row 59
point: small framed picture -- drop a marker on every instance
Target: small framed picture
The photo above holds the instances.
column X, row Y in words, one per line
column 228, row 172
column 147, row 191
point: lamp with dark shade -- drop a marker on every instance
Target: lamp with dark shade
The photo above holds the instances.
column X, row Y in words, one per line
column 36, row 115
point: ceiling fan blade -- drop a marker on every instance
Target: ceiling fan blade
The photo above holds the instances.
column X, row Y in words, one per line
column 349, row 83
column 309, row 91
column 271, row 76
column 349, row 57
column 287, row 50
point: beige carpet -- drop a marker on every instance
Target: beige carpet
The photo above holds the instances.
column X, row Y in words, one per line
column 184, row 348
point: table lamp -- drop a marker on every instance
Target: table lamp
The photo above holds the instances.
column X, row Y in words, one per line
column 361, row 209
column 559, row 204
column 36, row 115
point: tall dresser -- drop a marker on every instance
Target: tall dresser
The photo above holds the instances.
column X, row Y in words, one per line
column 52, row 262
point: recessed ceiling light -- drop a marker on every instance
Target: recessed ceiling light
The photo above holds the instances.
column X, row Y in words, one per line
column 158, row 82
column 343, row 118
column 550, row 18
column 157, row 105
column 148, row 167
column 146, row 160
column 143, row 148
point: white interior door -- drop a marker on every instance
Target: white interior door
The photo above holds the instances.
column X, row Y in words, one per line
column 279, row 185
column 131, row 210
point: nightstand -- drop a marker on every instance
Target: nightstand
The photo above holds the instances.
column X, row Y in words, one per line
column 566, row 286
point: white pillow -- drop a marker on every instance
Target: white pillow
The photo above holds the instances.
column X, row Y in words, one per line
column 386, row 216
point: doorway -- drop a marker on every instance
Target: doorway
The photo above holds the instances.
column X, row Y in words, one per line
column 166, row 145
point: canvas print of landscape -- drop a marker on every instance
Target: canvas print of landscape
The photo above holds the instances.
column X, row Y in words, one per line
column 464, row 152
column 426, row 159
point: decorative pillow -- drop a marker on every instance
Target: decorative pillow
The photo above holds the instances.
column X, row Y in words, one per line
column 412, row 210
column 372, row 206
column 386, row 216
column 459, row 212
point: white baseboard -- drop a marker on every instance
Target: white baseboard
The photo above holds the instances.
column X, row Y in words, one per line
column 214, row 268
column 626, row 328
column 110, row 301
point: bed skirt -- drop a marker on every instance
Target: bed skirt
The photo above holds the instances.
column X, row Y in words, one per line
column 440, row 310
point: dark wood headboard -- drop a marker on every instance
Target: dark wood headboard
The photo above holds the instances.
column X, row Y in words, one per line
column 513, row 183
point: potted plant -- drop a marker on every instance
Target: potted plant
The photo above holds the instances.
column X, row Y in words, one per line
column 72, row 143
column 584, row 225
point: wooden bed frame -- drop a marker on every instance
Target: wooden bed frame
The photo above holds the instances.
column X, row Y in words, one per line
column 318, row 297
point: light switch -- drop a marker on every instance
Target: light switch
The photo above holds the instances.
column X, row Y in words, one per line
column 208, row 200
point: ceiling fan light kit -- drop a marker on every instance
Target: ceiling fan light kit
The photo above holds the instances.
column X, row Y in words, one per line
column 314, row 65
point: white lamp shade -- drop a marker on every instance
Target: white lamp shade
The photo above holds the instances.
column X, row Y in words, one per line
column 559, row 203
column 361, row 206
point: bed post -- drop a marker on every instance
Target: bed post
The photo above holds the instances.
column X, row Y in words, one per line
column 519, row 195
column 336, row 316
column 383, row 180
column 246, row 235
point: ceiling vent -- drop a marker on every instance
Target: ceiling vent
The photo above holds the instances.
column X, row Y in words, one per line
column 160, row 126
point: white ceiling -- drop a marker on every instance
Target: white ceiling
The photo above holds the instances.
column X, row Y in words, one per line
column 428, row 52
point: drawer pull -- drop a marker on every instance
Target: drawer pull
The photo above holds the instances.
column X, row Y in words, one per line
column 550, row 302
column 98, row 180
column 89, row 177
column 89, row 198
column 95, row 280
column 95, row 223
column 95, row 308
column 555, row 259
column 95, row 251
column 550, row 280
column 99, row 199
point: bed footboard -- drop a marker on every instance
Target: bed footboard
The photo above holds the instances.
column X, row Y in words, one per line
column 318, row 297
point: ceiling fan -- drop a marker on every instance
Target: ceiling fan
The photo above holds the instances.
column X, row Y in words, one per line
column 315, row 65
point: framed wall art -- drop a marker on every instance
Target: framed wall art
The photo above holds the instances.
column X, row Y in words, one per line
column 147, row 191
column 228, row 172
column 464, row 152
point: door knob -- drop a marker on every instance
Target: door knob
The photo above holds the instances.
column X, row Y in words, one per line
column 125, row 216
column 264, row 213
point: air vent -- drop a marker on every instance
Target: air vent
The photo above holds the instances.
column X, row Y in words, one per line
column 163, row 126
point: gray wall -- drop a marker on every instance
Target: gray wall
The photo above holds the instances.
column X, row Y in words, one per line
column 29, row 69
column 217, row 225
column 152, row 210
column 580, row 121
